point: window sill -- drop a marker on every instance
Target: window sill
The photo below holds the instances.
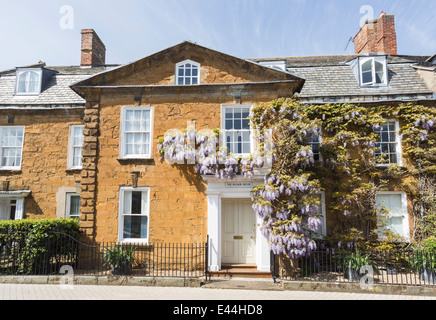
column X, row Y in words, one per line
column 375, row 86
column 134, row 241
column 10, row 170
column 385, row 166
column 26, row 96
column 140, row 161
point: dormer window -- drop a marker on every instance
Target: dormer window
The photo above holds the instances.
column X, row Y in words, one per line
column 29, row 81
column 373, row 71
column 187, row 73
column 278, row 65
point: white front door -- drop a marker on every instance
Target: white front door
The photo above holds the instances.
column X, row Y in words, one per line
column 238, row 232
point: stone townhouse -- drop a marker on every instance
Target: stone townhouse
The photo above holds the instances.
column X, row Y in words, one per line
column 41, row 129
column 126, row 192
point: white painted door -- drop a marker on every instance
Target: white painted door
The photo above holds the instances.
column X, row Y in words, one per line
column 239, row 232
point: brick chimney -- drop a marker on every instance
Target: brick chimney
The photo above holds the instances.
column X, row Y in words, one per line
column 377, row 36
column 93, row 49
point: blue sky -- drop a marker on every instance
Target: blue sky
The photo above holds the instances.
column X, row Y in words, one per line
column 32, row 31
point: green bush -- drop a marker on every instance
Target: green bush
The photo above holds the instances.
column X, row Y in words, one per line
column 424, row 255
column 26, row 245
column 429, row 244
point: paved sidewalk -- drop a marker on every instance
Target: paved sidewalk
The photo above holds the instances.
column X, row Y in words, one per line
column 80, row 292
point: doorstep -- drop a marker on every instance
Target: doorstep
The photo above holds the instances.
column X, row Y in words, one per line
column 240, row 271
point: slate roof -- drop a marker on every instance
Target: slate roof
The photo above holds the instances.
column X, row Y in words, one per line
column 56, row 91
column 331, row 79
column 327, row 79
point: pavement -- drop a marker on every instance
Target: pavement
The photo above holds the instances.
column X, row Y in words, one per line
column 241, row 290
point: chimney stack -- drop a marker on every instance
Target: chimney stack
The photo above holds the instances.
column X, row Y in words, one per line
column 93, row 49
column 377, row 36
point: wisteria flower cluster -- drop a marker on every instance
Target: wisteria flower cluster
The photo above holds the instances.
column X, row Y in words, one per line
column 289, row 209
column 203, row 149
column 289, row 200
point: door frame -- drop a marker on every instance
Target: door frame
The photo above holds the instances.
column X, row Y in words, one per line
column 239, row 188
column 237, row 206
column 19, row 196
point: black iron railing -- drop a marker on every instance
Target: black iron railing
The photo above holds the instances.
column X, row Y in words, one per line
column 396, row 266
column 100, row 259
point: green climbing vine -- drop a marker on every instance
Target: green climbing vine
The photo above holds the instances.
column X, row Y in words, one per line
column 350, row 165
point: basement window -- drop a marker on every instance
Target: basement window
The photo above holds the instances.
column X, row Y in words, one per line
column 373, row 71
column 187, row 73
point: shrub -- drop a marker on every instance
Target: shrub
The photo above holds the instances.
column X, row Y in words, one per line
column 24, row 244
column 120, row 259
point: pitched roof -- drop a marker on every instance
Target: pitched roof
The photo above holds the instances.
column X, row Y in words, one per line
column 336, row 60
column 114, row 77
column 331, row 79
column 56, row 91
column 327, row 79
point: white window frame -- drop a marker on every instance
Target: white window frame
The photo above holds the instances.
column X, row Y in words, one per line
column 21, row 71
column 404, row 212
column 145, row 212
column 278, row 64
column 68, row 205
column 1, row 148
column 224, row 131
column 182, row 64
column 123, row 153
column 323, row 215
column 398, row 142
column 378, row 59
column 72, row 147
column 319, row 143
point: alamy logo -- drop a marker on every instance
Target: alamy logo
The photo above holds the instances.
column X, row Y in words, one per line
column 368, row 15
column 67, row 281
column 367, row 280
column 67, row 20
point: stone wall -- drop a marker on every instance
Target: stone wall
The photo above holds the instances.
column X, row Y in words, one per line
column 178, row 204
column 45, row 154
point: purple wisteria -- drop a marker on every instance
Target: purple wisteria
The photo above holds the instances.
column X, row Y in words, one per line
column 289, row 209
column 203, row 150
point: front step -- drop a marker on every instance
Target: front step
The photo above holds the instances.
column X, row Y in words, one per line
column 240, row 271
